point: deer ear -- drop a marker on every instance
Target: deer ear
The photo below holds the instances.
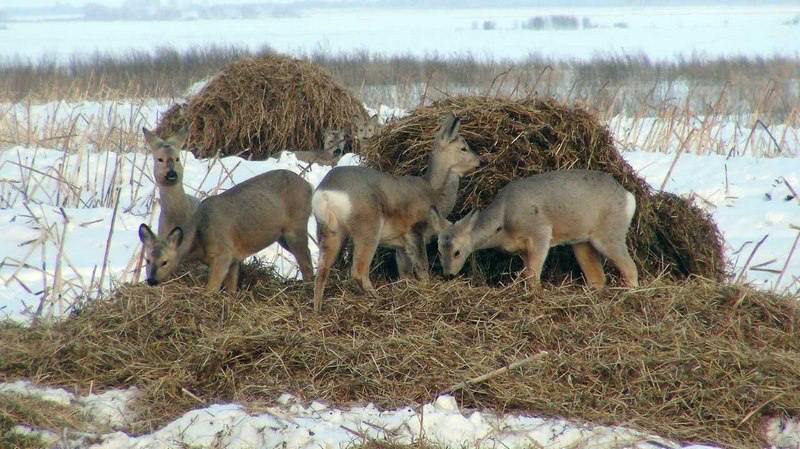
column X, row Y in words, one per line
column 448, row 130
column 175, row 237
column 436, row 221
column 469, row 220
column 146, row 234
column 150, row 137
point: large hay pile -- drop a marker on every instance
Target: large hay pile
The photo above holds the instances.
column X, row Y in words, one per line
column 697, row 362
column 526, row 137
column 263, row 105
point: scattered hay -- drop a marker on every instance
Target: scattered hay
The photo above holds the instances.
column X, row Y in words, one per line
column 257, row 107
column 689, row 361
column 526, row 137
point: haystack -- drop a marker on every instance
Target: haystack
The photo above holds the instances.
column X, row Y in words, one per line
column 257, row 107
column 687, row 361
column 521, row 138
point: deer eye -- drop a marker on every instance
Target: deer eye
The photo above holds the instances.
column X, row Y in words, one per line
column 457, row 253
column 163, row 263
column 147, row 261
column 177, row 159
column 161, row 159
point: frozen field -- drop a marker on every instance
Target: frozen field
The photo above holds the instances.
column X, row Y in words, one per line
column 660, row 33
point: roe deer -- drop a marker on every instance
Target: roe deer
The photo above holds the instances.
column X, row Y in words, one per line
column 366, row 128
column 227, row 228
column 587, row 209
column 176, row 206
column 335, row 142
column 376, row 208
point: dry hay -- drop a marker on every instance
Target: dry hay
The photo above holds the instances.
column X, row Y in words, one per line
column 263, row 105
column 697, row 361
column 526, row 137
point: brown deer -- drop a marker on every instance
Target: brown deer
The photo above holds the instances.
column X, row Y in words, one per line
column 587, row 209
column 227, row 228
column 335, row 142
column 176, row 205
column 379, row 209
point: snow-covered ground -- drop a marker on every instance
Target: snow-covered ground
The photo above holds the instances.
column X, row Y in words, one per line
column 291, row 424
column 658, row 32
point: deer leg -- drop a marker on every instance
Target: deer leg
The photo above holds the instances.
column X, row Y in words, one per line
column 365, row 243
column 330, row 243
column 589, row 261
column 232, row 279
column 617, row 252
column 404, row 268
column 535, row 254
column 217, row 271
column 417, row 254
column 296, row 242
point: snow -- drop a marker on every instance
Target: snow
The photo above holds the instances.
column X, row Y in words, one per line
column 290, row 424
column 659, row 32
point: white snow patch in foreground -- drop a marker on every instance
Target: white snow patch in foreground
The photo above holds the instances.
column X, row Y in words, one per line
column 289, row 424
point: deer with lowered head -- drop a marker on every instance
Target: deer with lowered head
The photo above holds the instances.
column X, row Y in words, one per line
column 176, row 205
column 586, row 209
column 227, row 228
column 379, row 209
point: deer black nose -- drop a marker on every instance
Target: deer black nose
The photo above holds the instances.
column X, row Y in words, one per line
column 151, row 282
column 172, row 175
column 482, row 161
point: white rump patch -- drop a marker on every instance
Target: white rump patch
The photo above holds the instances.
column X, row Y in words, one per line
column 331, row 206
column 630, row 204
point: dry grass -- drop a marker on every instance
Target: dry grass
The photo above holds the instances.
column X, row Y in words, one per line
column 34, row 413
column 696, row 361
column 258, row 107
column 724, row 106
column 524, row 137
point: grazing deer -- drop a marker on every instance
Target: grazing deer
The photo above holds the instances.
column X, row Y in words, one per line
column 335, row 142
column 376, row 208
column 227, row 228
column 587, row 209
column 176, row 205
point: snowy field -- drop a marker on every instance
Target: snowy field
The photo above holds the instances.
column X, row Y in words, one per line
column 70, row 206
column 658, row 32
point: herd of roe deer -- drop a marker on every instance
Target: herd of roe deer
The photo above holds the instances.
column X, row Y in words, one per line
column 586, row 209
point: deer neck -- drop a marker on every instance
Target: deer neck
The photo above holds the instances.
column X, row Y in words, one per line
column 488, row 229
column 173, row 198
column 444, row 185
column 190, row 249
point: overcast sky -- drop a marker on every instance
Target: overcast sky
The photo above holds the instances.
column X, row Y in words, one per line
column 39, row 3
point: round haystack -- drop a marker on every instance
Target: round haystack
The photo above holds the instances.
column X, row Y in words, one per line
column 524, row 137
column 257, row 107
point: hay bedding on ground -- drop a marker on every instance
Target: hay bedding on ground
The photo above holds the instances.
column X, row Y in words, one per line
column 524, row 137
column 258, row 107
column 686, row 361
